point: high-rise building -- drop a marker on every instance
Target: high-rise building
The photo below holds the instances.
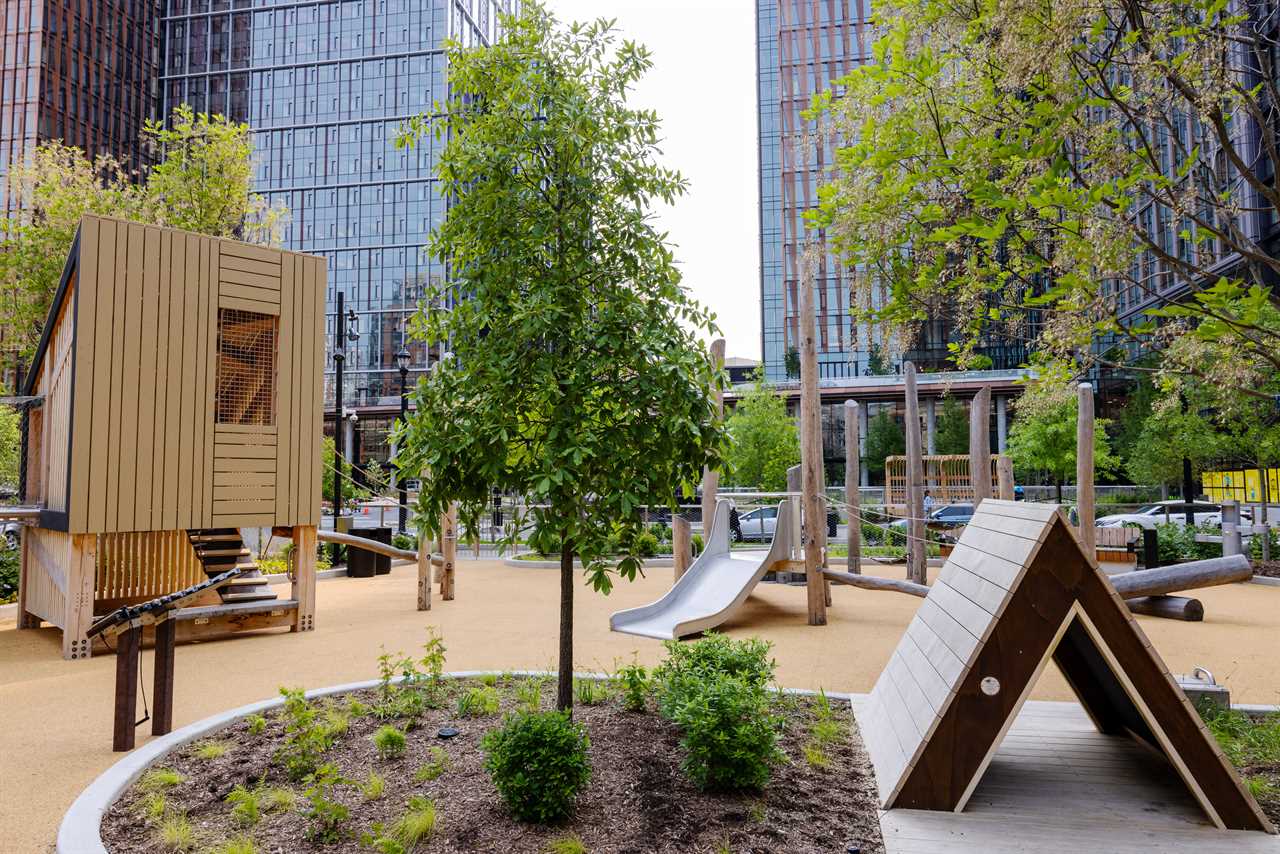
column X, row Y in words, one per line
column 326, row 87
column 82, row 71
column 802, row 46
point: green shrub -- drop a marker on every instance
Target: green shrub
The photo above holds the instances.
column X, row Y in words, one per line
column 661, row 532
column 695, row 542
column 646, row 545
column 634, row 679
column 729, row 737
column 257, row 724
column 538, row 762
column 480, row 701
column 490, row 679
column 690, row 665
column 405, row 542
column 10, row 561
column 389, row 741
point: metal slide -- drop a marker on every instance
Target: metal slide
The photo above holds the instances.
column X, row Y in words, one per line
column 715, row 585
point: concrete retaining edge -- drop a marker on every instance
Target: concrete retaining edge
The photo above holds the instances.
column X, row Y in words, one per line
column 649, row 563
column 1265, row 580
column 80, row 831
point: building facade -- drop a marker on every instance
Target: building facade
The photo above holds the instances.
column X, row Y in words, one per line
column 80, row 71
column 802, row 46
column 326, row 86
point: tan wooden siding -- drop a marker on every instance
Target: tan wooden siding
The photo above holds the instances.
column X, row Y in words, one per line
column 135, row 567
column 146, row 451
column 47, row 554
column 52, row 422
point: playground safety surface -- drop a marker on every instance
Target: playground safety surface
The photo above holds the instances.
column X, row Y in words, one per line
column 55, row 715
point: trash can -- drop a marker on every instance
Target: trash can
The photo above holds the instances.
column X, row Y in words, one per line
column 366, row 564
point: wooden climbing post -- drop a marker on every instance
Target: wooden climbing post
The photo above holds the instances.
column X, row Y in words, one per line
column 162, row 717
column 1084, row 469
column 852, row 499
column 917, row 565
column 681, row 545
column 449, row 548
column 81, row 571
column 304, row 577
column 424, row 571
column 980, row 445
column 710, row 478
column 1004, row 476
column 815, row 521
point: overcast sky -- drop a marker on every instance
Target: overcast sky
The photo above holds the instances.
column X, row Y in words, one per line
column 703, row 86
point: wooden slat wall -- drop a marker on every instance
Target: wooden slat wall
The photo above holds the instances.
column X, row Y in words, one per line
column 146, row 454
column 135, row 567
column 48, row 554
column 54, row 421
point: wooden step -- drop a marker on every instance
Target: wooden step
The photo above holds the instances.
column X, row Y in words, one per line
column 214, row 567
column 196, row 539
column 251, row 581
column 248, row 596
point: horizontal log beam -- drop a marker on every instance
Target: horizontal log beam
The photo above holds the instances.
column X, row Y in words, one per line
column 872, row 582
column 1169, row 607
column 368, row 545
column 1183, row 576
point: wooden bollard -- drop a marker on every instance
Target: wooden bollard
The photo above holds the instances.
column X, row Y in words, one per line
column 449, row 548
column 1004, row 476
column 424, row 571
column 852, row 498
column 917, row 560
column 1084, row 469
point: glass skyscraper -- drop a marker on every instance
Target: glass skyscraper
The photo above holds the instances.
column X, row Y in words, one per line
column 326, row 87
column 802, row 46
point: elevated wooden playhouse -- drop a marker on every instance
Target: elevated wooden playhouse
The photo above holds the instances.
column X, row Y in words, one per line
column 178, row 388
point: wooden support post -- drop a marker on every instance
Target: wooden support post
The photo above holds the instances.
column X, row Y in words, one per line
column 424, row 571
column 1004, row 476
column 795, row 486
column 128, row 644
column 852, row 498
column 1232, row 544
column 26, row 620
column 917, row 564
column 1084, row 470
column 710, row 478
column 449, row 548
column 681, row 545
column 815, row 521
column 980, row 445
column 304, row 577
column 1183, row 576
column 81, row 567
column 162, row 717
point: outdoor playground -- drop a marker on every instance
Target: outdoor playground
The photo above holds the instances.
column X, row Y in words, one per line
column 936, row 658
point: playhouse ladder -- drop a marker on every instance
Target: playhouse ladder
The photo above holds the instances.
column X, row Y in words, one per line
column 220, row 549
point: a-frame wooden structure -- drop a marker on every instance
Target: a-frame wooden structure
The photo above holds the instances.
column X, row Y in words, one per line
column 1017, row 591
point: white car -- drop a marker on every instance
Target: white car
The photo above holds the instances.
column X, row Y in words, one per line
column 1175, row 512
column 759, row 524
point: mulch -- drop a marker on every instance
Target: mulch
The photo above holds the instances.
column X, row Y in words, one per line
column 1267, row 568
column 638, row 800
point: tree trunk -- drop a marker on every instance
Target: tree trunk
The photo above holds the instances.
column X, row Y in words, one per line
column 564, row 687
column 1057, row 484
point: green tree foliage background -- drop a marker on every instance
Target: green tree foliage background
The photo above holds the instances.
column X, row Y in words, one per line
column 763, row 440
column 952, row 426
column 884, row 439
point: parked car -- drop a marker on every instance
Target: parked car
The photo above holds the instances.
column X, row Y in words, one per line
column 758, row 524
column 11, row 534
column 1175, row 512
column 943, row 518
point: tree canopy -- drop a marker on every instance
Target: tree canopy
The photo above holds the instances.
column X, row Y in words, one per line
column 952, row 427
column 1039, row 170
column 579, row 378
column 884, row 439
column 1042, row 440
column 202, row 183
column 763, row 440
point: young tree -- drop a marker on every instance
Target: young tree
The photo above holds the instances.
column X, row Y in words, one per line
column 1043, row 437
column 10, row 448
column 877, row 364
column 763, row 442
column 579, row 380
column 1039, row 169
column 952, row 427
column 202, row 183
column 884, row 439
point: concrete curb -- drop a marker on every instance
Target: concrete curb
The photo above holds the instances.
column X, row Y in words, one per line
column 1264, row 580
column 80, row 833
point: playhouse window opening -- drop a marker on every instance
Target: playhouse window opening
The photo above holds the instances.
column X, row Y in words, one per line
column 246, row 388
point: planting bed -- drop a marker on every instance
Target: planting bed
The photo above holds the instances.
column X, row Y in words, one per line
column 638, row 799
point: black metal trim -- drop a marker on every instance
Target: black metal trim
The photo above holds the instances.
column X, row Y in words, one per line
column 73, row 263
column 54, row 520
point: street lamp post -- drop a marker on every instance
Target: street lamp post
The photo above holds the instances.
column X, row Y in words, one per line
column 402, row 362
column 339, row 357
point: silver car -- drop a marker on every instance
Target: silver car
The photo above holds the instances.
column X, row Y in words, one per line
column 11, row 530
column 759, row 524
column 1150, row 515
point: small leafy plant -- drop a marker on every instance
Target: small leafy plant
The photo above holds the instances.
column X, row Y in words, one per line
column 325, row 816
column 590, row 692
column 529, row 693
column 634, row 679
column 689, row 666
column 389, row 741
column 538, row 762
column 730, row 738
column 373, row 787
column 245, row 810
column 257, row 724
column 305, row 738
column 439, row 764
column 479, row 701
